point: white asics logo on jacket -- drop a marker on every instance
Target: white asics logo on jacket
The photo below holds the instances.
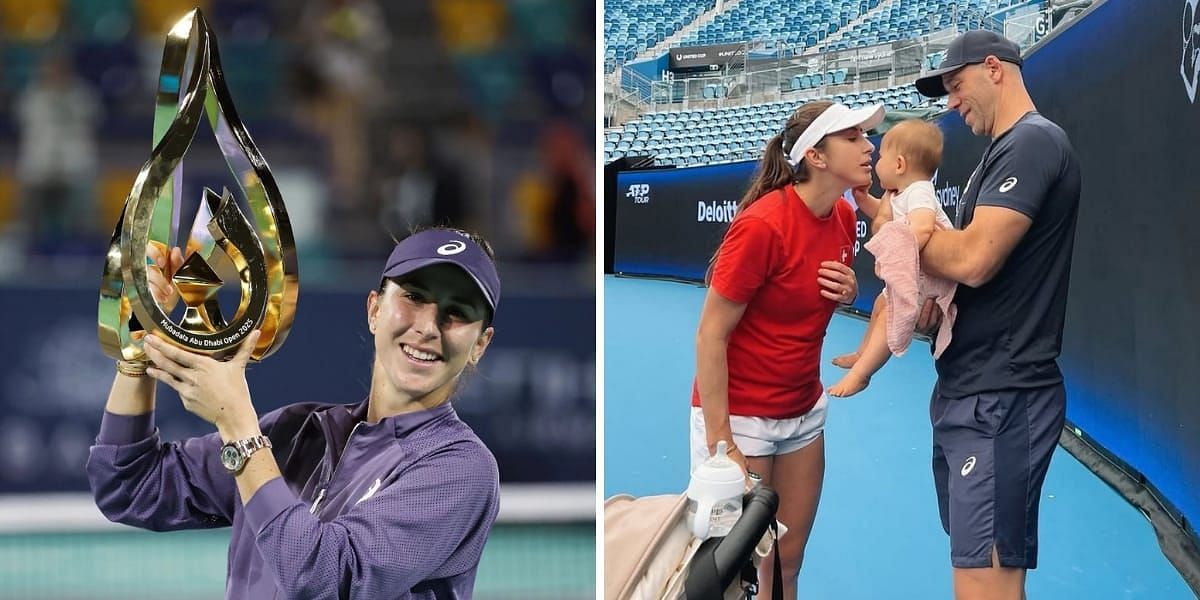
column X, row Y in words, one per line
column 370, row 492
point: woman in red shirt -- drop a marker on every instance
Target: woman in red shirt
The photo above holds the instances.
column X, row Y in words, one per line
column 782, row 268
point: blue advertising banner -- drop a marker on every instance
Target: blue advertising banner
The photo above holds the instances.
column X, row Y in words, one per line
column 532, row 400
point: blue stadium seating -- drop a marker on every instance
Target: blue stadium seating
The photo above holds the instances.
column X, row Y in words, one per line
column 114, row 69
column 904, row 19
column 632, row 26
column 815, row 80
column 101, row 20
column 19, row 62
column 710, row 136
column 779, row 21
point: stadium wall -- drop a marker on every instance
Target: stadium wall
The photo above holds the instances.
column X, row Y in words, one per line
column 1122, row 82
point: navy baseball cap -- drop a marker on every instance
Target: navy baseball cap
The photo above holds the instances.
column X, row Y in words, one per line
column 434, row 246
column 970, row 48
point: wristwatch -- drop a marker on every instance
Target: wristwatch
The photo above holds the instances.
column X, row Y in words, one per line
column 235, row 454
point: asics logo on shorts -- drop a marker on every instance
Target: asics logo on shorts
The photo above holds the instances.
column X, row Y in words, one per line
column 1189, row 64
column 968, row 466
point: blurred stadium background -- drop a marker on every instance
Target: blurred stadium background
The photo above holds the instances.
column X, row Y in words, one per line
column 375, row 116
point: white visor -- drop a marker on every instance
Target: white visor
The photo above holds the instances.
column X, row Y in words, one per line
column 835, row 118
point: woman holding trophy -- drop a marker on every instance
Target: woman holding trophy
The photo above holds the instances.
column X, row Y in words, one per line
column 392, row 497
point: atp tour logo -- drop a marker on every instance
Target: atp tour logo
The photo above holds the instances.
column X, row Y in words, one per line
column 639, row 192
column 1191, row 47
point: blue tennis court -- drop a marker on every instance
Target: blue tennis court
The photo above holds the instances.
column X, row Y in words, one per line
column 877, row 533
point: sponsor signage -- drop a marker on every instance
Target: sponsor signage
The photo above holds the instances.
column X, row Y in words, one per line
column 706, row 58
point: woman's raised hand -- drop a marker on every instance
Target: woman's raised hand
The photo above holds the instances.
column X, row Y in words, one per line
column 213, row 390
column 158, row 274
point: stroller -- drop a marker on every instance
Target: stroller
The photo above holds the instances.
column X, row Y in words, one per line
column 651, row 554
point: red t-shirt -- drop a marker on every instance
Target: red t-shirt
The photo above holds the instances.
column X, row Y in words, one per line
column 769, row 260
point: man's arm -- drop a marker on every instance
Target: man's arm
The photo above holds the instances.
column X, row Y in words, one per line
column 974, row 255
column 1017, row 180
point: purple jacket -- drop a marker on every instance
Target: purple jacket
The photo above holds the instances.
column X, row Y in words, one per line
column 396, row 509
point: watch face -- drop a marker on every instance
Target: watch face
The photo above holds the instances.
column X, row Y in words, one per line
column 231, row 458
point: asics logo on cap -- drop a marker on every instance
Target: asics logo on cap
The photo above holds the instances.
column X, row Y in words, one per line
column 451, row 248
column 1008, row 184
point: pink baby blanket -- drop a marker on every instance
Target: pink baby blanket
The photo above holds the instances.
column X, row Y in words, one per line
column 898, row 264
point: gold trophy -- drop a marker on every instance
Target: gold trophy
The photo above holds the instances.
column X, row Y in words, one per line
column 262, row 253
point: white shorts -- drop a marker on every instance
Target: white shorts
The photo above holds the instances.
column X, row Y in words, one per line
column 761, row 436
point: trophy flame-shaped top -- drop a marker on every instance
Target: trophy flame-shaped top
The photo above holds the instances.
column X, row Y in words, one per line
column 257, row 244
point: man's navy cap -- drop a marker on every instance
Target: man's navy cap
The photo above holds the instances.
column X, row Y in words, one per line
column 970, row 48
column 434, row 246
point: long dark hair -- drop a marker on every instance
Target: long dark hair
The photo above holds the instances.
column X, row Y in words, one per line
column 773, row 170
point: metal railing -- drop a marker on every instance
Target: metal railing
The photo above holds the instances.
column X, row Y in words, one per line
column 783, row 76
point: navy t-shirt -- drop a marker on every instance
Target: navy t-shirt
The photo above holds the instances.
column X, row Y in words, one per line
column 1008, row 333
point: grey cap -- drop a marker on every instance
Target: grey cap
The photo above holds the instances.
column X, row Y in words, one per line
column 970, row 48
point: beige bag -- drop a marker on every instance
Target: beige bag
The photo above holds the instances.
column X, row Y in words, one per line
column 648, row 548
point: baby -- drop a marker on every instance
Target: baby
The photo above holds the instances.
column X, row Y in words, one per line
column 909, row 155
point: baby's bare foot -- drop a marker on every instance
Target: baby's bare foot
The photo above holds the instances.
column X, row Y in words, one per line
column 849, row 385
column 846, row 361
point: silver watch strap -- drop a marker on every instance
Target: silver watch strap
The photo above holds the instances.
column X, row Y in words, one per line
column 249, row 446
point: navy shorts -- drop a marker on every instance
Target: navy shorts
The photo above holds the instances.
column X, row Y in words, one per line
column 990, row 456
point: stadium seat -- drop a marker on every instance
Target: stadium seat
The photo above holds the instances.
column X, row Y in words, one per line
column 155, row 17
column 245, row 20
column 19, row 62
column 114, row 69
column 711, row 136
column 645, row 23
column 101, row 20
column 8, row 197
column 26, row 21
column 253, row 70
